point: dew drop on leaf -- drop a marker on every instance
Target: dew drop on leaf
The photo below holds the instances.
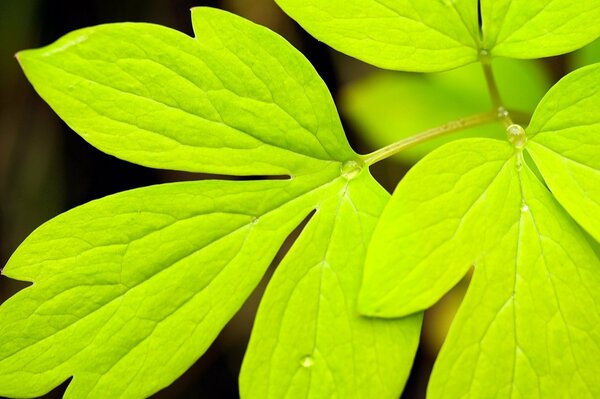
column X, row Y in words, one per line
column 307, row 361
column 350, row 169
column 516, row 135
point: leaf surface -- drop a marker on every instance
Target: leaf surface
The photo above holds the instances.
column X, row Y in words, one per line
column 439, row 35
column 538, row 28
column 438, row 216
column 128, row 291
column 236, row 100
column 320, row 348
column 566, row 145
column 426, row 35
column 529, row 325
column 115, row 278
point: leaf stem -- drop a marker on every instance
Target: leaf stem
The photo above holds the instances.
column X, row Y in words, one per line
column 459, row 124
column 503, row 113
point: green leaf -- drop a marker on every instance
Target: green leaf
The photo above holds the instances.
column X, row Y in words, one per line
column 538, row 28
column 566, row 143
column 529, row 325
column 320, row 348
column 113, row 279
column 425, row 35
column 386, row 107
column 438, row 216
column 236, row 100
column 128, row 291
column 434, row 35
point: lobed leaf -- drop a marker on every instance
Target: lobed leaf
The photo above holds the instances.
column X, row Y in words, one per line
column 115, row 278
column 438, row 35
column 307, row 341
column 538, row 28
column 565, row 144
column 426, row 35
column 529, row 325
column 238, row 99
column 447, row 211
column 128, row 291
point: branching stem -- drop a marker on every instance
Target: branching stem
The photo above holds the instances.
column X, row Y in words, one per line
column 500, row 113
column 460, row 124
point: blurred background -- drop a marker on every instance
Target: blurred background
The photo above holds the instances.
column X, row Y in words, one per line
column 46, row 169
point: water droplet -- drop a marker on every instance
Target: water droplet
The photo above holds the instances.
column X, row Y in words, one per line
column 307, row 361
column 254, row 220
column 502, row 112
column 525, row 208
column 516, row 135
column 350, row 169
column 519, row 165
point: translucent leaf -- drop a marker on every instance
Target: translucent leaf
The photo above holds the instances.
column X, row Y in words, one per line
column 446, row 212
column 438, row 35
column 566, row 144
column 538, row 28
column 529, row 325
column 236, row 100
column 320, row 349
column 114, row 279
column 130, row 290
column 387, row 107
column 425, row 35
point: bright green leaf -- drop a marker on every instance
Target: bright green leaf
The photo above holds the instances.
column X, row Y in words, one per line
column 566, row 145
column 115, row 278
column 387, row 107
column 447, row 211
column 320, row 349
column 130, row 290
column 425, row 35
column 236, row 100
column 538, row 28
column 529, row 326
column 430, row 35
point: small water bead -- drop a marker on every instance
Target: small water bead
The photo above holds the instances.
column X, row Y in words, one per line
column 484, row 56
column 519, row 164
column 307, row 361
column 516, row 135
column 351, row 169
column 524, row 208
column 502, row 113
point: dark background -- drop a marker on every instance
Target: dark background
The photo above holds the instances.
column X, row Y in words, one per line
column 46, row 169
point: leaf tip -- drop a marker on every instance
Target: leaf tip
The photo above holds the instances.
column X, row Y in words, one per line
column 21, row 56
column 18, row 55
